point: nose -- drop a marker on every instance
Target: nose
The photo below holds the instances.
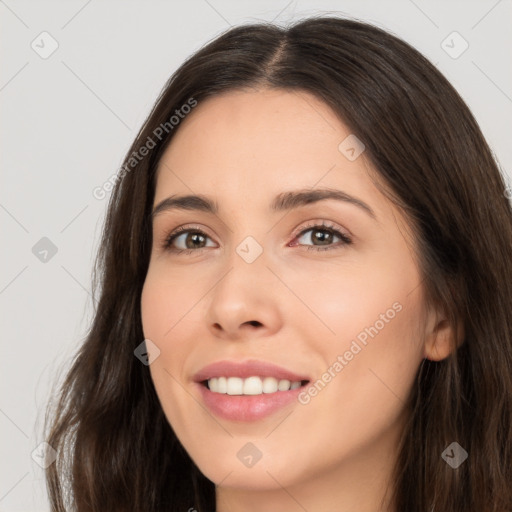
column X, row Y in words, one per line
column 245, row 303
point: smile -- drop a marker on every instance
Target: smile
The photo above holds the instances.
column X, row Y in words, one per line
column 250, row 386
column 248, row 390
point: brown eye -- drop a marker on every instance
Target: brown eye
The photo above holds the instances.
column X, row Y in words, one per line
column 186, row 240
column 323, row 237
column 317, row 237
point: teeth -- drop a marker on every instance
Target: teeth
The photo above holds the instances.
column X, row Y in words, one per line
column 270, row 385
column 284, row 385
column 222, row 385
column 250, row 386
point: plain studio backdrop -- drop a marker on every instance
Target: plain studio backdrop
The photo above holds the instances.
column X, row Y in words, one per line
column 77, row 80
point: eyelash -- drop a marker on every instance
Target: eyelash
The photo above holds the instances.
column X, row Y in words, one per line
column 345, row 240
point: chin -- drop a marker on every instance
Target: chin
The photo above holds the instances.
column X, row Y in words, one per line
column 227, row 470
column 255, row 479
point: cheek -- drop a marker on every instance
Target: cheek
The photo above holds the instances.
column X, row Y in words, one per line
column 352, row 301
column 153, row 305
column 166, row 299
column 167, row 312
column 164, row 315
column 361, row 401
column 370, row 343
column 374, row 364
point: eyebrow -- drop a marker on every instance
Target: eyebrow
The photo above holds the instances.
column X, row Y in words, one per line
column 282, row 202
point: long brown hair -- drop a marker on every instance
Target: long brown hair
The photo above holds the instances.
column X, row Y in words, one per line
column 116, row 450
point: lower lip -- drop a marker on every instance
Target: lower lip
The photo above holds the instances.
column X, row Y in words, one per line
column 247, row 407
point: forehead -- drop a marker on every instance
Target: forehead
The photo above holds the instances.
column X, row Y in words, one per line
column 259, row 124
column 244, row 148
column 245, row 139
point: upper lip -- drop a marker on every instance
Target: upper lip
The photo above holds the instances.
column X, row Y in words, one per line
column 244, row 369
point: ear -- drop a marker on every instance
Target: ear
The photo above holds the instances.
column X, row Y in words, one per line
column 440, row 339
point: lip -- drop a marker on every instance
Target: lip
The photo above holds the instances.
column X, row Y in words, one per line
column 247, row 407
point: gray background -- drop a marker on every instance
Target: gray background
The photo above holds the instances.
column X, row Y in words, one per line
column 68, row 119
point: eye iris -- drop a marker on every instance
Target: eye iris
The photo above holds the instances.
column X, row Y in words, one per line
column 323, row 236
column 193, row 238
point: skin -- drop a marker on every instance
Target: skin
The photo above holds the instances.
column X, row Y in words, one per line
column 335, row 453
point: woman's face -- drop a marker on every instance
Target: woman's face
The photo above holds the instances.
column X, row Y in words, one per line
column 261, row 280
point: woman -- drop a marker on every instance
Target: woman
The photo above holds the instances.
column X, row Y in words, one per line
column 305, row 286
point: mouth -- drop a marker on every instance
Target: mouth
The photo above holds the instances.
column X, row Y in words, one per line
column 249, row 390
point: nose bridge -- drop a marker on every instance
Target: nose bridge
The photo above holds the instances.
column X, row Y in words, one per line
column 246, row 267
column 250, row 250
column 243, row 294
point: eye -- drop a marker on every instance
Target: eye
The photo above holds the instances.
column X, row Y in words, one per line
column 322, row 237
column 188, row 240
